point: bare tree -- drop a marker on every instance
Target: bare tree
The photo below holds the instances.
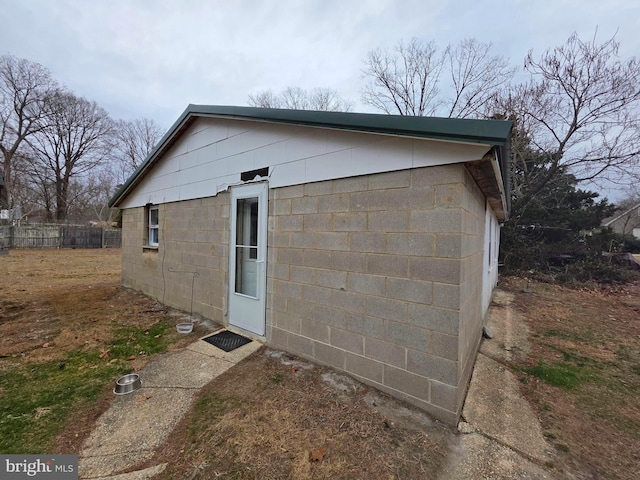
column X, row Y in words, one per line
column 476, row 78
column 25, row 90
column 89, row 196
column 133, row 141
column 296, row 98
column 580, row 110
column 410, row 79
column 265, row 99
column 328, row 100
column 32, row 191
column 76, row 141
column 405, row 80
column 100, row 187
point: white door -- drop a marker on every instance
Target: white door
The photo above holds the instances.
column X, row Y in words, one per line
column 247, row 257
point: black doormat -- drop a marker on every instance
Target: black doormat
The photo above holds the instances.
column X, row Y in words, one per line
column 227, row 340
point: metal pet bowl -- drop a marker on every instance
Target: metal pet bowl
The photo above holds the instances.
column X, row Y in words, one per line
column 127, row 384
column 184, row 327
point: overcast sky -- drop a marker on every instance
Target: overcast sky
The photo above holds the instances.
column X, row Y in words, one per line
column 151, row 58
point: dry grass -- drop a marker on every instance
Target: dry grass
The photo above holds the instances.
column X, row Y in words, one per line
column 59, row 311
column 585, row 374
column 56, row 301
column 271, row 420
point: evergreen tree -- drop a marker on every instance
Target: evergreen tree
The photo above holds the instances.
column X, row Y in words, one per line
column 549, row 224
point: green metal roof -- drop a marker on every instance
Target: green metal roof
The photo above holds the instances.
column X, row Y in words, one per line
column 492, row 132
column 489, row 132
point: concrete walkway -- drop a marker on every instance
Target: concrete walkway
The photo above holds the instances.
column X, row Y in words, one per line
column 129, row 432
column 500, row 436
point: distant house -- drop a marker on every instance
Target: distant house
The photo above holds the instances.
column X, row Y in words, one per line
column 365, row 242
column 626, row 223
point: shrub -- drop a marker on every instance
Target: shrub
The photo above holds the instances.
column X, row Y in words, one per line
column 564, row 256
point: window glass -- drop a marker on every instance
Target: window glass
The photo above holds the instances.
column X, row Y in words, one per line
column 153, row 217
column 153, row 226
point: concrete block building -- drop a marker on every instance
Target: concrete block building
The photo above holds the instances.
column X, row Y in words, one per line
column 365, row 242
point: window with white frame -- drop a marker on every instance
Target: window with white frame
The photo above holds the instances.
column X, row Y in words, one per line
column 154, row 226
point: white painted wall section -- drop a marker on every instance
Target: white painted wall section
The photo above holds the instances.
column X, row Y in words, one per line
column 491, row 249
column 212, row 153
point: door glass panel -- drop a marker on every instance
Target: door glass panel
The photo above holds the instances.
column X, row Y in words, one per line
column 247, row 246
column 247, row 222
column 246, row 271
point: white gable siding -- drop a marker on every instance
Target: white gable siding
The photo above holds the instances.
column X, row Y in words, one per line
column 211, row 154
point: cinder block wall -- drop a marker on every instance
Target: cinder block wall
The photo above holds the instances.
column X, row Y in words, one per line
column 471, row 315
column 378, row 276
column 194, row 237
column 140, row 269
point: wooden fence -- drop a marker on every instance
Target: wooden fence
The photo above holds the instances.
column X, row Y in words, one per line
column 59, row 236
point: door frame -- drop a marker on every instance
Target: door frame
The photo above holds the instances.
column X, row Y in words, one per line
column 247, row 312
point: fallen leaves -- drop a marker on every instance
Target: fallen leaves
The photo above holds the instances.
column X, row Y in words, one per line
column 317, row 455
column 104, row 353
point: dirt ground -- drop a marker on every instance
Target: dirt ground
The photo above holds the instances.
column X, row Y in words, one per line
column 294, row 420
column 56, row 301
column 586, row 344
column 276, row 417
